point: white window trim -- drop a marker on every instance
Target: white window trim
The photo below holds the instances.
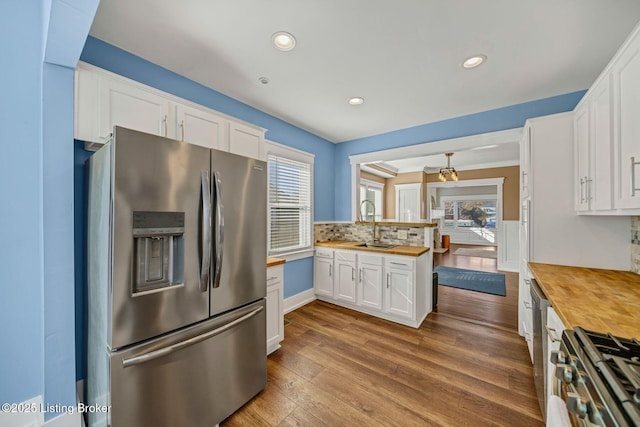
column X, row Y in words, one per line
column 376, row 186
column 444, row 199
column 300, row 156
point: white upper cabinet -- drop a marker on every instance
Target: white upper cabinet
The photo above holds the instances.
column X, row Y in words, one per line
column 581, row 136
column 104, row 100
column 130, row 107
column 607, row 138
column 201, row 127
column 246, row 140
column 626, row 75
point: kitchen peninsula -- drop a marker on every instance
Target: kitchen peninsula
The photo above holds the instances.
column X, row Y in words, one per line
column 393, row 282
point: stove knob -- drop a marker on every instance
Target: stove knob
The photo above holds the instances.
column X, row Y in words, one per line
column 558, row 356
column 576, row 405
column 564, row 373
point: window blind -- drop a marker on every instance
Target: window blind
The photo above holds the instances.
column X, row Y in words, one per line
column 289, row 205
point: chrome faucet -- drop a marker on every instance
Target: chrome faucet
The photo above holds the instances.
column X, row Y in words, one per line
column 373, row 222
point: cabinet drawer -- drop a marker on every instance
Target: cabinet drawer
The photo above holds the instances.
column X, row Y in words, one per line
column 274, row 275
column 402, row 263
column 324, row 253
column 370, row 259
column 345, row 256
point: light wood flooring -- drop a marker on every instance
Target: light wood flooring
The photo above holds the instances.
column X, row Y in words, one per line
column 339, row 367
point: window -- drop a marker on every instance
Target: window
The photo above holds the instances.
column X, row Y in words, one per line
column 373, row 191
column 290, row 223
column 470, row 211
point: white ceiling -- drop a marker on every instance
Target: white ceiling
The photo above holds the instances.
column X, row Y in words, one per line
column 402, row 56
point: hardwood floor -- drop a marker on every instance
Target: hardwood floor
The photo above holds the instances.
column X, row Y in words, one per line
column 490, row 309
column 340, row 367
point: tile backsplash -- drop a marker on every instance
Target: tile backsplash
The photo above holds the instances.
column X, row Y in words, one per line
column 635, row 244
column 363, row 232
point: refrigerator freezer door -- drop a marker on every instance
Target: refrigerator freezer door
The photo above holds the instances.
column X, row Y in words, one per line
column 196, row 377
column 158, row 228
column 239, row 209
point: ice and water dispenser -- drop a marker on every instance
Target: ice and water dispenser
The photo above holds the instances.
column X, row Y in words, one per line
column 158, row 250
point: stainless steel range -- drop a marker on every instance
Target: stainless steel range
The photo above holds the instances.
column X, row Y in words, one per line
column 600, row 378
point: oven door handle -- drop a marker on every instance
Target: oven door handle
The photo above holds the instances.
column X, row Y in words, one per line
column 552, row 334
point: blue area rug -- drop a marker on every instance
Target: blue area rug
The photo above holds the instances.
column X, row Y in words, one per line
column 479, row 281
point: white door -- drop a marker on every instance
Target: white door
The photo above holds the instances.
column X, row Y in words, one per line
column 408, row 202
column 323, row 276
column 370, row 286
column 201, row 127
column 133, row 108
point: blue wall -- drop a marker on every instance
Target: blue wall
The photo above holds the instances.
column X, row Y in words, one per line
column 21, row 236
column 488, row 121
column 40, row 42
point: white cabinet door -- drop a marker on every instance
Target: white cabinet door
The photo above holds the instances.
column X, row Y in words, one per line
column 201, row 127
column 581, row 135
column 399, row 294
column 627, row 139
column 370, row 286
column 131, row 107
column 345, row 280
column 323, row 273
column 246, row 140
column 600, row 181
column 275, row 307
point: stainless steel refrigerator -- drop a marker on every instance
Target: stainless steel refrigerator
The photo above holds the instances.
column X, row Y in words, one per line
column 176, row 282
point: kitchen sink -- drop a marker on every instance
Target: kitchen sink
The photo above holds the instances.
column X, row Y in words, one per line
column 377, row 245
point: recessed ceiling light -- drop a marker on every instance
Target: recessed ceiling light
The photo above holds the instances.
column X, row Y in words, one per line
column 474, row 61
column 263, row 80
column 356, row 100
column 283, row 40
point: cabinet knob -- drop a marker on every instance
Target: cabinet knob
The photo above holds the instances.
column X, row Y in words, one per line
column 564, row 373
column 576, row 405
column 558, row 357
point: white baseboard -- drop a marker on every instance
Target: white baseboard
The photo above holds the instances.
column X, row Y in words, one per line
column 298, row 300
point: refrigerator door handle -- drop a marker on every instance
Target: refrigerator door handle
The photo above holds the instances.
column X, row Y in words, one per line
column 147, row 357
column 205, row 262
column 217, row 184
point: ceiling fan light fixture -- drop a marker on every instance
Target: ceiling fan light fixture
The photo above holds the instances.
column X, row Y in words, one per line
column 283, row 41
column 356, row 100
column 474, row 61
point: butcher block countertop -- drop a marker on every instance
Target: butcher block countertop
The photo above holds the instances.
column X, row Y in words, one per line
column 396, row 250
column 594, row 299
column 271, row 261
column 392, row 223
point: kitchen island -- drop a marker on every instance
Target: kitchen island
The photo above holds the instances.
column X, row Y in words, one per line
column 606, row 301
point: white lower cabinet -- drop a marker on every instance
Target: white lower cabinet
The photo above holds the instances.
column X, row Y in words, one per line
column 275, row 308
column 527, row 310
column 393, row 287
column 323, row 272
column 370, row 281
column 399, row 293
column 345, row 282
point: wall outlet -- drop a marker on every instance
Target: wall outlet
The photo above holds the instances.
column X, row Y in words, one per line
column 402, row 234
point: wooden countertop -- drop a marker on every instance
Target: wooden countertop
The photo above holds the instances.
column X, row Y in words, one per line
column 386, row 223
column 594, row 299
column 271, row 261
column 396, row 250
